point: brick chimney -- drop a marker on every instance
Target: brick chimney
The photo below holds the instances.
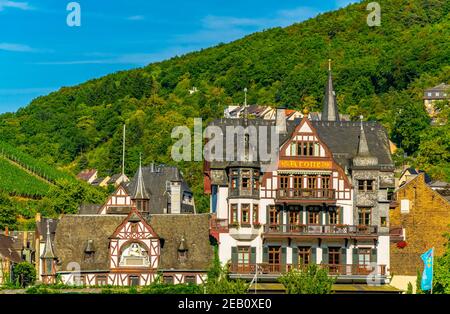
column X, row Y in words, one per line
column 6, row 231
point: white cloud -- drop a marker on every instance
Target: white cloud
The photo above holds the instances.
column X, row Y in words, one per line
column 136, row 18
column 14, row 4
column 137, row 59
column 25, row 91
column 228, row 28
column 16, row 47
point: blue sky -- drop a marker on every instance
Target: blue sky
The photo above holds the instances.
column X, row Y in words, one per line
column 39, row 52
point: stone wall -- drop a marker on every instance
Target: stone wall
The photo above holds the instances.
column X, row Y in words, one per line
column 424, row 226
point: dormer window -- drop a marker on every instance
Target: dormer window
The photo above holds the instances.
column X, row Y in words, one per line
column 182, row 251
column 305, row 148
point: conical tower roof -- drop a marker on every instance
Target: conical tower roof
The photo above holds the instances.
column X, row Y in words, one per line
column 330, row 109
column 140, row 193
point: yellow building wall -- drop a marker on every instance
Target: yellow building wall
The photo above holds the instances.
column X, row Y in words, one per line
column 424, row 226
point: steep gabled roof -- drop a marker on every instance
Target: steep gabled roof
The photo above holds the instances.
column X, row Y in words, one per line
column 75, row 231
column 8, row 249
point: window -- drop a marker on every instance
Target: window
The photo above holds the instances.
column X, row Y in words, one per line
column 314, row 217
column 333, row 255
column 366, row 185
column 255, row 217
column 246, row 179
column 284, row 182
column 304, row 255
column 326, row 182
column 383, row 221
column 168, row 279
column 273, row 216
column 255, row 180
column 364, row 256
column 294, row 217
column 233, row 213
column 245, row 213
column 312, row 182
column 189, row 279
column 243, row 255
column 101, row 280
column 334, row 218
column 297, row 185
column 234, row 179
column 364, row 216
column 274, row 258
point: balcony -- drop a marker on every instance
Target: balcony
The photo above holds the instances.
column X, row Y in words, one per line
column 333, row 269
column 320, row 230
column 242, row 192
column 290, row 194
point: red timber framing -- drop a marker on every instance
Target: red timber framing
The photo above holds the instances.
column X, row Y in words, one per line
column 134, row 230
column 119, row 198
column 324, row 165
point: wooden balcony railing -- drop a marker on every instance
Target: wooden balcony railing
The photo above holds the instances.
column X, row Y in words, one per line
column 310, row 229
column 333, row 269
column 293, row 194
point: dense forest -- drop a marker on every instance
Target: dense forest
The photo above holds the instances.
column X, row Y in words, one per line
column 379, row 72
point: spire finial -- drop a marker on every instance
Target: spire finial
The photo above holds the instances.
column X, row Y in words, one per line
column 48, row 228
column 329, row 64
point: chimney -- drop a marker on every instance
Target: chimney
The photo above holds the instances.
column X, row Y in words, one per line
column 280, row 121
column 175, row 194
column 6, row 231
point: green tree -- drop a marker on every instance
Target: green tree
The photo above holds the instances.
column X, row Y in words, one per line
column 311, row 280
column 7, row 213
column 441, row 271
column 24, row 274
column 409, row 290
column 218, row 281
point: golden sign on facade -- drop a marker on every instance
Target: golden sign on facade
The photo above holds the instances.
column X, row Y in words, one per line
column 304, row 164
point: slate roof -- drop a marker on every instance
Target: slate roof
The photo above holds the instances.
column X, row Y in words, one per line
column 342, row 137
column 89, row 209
column 76, row 232
column 8, row 249
column 155, row 179
column 86, row 174
column 41, row 227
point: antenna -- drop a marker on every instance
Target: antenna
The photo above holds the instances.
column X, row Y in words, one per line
column 123, row 151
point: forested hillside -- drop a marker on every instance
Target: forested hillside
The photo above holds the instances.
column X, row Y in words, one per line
column 379, row 72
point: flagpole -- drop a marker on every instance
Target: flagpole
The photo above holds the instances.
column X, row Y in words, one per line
column 432, row 269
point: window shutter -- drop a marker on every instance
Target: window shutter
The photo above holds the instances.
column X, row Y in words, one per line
column 355, row 256
column 313, row 255
column 253, row 255
column 325, row 255
column 301, row 216
column 265, row 254
column 234, row 255
column 327, row 217
column 283, row 259
column 295, row 256
column 341, row 215
column 320, row 217
column 343, row 256
column 307, row 218
column 373, row 255
column 267, row 214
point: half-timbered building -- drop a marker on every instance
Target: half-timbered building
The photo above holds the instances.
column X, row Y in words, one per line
column 323, row 201
column 156, row 189
column 128, row 250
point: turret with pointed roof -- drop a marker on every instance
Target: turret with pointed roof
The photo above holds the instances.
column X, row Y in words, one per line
column 140, row 195
column 48, row 248
column 329, row 109
column 363, row 157
column 48, row 259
